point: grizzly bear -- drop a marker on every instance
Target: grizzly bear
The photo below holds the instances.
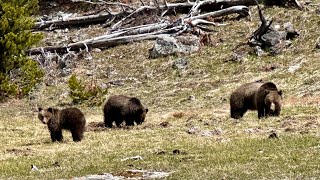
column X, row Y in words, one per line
column 121, row 108
column 256, row 96
column 71, row 119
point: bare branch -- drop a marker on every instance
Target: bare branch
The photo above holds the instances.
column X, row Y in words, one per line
column 201, row 21
column 99, row 43
column 142, row 2
column 263, row 27
column 122, row 7
column 118, row 24
column 243, row 10
column 106, row 3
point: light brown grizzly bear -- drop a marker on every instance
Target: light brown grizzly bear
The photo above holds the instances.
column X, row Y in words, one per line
column 121, row 108
column 256, row 96
column 71, row 119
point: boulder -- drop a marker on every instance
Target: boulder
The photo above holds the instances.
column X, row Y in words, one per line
column 167, row 45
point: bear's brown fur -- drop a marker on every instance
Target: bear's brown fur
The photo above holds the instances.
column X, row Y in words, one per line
column 71, row 119
column 256, row 96
column 121, row 108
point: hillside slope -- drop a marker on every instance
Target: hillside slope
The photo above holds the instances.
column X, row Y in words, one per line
column 193, row 101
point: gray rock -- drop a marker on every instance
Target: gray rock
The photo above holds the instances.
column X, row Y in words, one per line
column 238, row 57
column 65, row 72
column 167, row 45
column 258, row 50
column 89, row 73
column 52, row 3
column 291, row 33
column 193, row 130
column 272, row 38
column 191, row 98
column 288, row 26
column 50, row 81
column 96, row 50
column 139, row 174
column 180, row 63
column 99, row 177
column 275, row 40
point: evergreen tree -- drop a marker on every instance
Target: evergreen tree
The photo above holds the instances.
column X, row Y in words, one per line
column 16, row 37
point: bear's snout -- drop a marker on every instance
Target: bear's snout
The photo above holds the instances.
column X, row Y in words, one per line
column 273, row 107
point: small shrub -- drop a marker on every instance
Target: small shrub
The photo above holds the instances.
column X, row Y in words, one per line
column 90, row 94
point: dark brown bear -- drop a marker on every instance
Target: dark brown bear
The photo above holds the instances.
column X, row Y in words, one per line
column 256, row 96
column 71, row 119
column 121, row 108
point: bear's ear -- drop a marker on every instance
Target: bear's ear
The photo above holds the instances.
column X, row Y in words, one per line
column 266, row 91
column 135, row 100
column 280, row 92
column 147, row 110
column 50, row 109
column 39, row 109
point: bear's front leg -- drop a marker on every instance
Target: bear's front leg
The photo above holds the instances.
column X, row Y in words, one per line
column 59, row 136
column 268, row 111
column 261, row 113
column 53, row 136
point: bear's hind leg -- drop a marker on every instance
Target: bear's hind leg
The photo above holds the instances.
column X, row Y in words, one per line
column 129, row 122
column 118, row 119
column 237, row 114
column 118, row 123
column 108, row 123
column 108, row 119
column 77, row 136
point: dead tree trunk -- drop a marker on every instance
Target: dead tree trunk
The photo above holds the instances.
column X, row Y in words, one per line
column 169, row 8
column 93, row 44
column 78, row 21
column 138, row 33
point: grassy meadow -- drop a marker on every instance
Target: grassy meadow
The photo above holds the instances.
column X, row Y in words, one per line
column 200, row 140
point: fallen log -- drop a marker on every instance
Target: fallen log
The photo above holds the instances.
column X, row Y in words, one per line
column 78, row 21
column 168, row 8
column 100, row 43
column 145, row 32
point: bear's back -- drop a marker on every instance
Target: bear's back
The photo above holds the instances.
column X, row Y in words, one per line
column 123, row 104
column 268, row 86
column 247, row 90
column 117, row 101
column 71, row 117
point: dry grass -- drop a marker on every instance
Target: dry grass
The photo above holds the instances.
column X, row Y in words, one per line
column 237, row 150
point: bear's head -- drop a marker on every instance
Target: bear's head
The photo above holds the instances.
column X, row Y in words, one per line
column 45, row 115
column 273, row 100
column 141, row 115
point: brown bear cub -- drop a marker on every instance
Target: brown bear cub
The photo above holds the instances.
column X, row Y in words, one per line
column 71, row 119
column 256, row 96
column 121, row 108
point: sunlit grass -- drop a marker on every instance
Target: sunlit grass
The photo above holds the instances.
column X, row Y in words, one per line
column 242, row 150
